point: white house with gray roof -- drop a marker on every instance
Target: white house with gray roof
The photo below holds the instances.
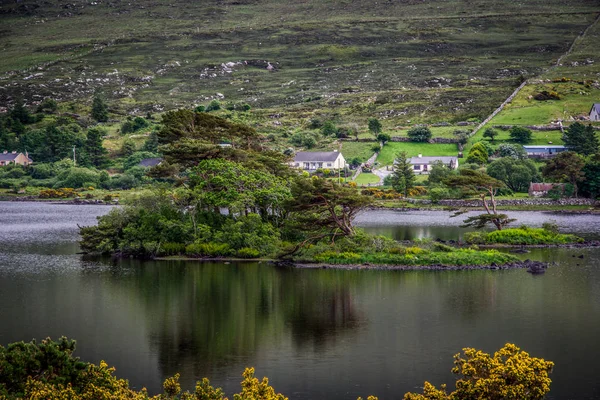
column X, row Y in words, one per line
column 595, row 112
column 313, row 160
column 422, row 165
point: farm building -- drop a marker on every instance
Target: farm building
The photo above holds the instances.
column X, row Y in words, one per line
column 543, row 151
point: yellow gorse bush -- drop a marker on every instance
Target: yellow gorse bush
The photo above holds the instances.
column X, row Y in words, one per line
column 508, row 374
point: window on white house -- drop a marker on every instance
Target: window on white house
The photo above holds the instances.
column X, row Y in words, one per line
column 417, row 167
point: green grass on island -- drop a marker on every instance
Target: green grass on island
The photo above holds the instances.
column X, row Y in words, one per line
column 522, row 236
column 421, row 254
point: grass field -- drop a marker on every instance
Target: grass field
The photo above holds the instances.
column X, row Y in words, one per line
column 366, row 178
column 403, row 62
column 351, row 150
column 390, row 150
column 575, row 100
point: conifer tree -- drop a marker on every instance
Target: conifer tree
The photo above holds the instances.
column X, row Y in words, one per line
column 99, row 109
column 403, row 178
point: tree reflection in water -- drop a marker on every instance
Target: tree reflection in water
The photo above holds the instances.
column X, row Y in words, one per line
column 204, row 315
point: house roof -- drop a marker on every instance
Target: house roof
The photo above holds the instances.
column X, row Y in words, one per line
column 543, row 187
column 544, row 147
column 303, row 156
column 595, row 106
column 150, row 162
column 8, row 156
column 430, row 160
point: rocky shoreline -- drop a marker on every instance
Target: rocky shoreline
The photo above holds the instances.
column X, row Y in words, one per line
column 439, row 207
column 534, row 267
column 34, row 199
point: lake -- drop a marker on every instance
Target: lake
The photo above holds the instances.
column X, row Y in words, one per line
column 315, row 333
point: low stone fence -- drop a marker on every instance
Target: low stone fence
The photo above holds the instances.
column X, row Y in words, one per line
column 515, row 202
column 433, row 140
column 552, row 127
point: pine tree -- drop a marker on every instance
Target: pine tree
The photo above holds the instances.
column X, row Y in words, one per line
column 151, row 144
column 20, row 113
column 374, row 126
column 94, row 149
column 403, row 178
column 581, row 139
column 99, row 109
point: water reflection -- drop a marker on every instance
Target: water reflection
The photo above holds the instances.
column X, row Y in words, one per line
column 315, row 333
column 406, row 225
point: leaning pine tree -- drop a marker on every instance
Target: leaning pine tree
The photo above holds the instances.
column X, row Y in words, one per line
column 487, row 188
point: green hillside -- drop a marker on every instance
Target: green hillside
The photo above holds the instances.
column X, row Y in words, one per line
column 404, row 62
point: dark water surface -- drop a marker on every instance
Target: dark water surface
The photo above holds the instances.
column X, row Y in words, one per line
column 316, row 333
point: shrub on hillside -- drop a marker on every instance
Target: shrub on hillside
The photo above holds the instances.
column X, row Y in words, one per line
column 419, row 134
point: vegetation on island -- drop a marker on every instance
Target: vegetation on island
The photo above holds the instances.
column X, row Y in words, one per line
column 48, row 369
column 524, row 235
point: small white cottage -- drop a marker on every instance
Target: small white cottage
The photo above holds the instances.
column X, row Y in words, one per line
column 422, row 165
column 312, row 160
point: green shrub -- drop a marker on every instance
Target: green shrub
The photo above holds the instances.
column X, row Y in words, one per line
column 332, row 257
column 419, row 134
column 171, row 249
column 475, row 237
column 550, row 226
column 214, row 105
column 77, row 177
column 247, row 252
column 437, row 194
column 208, row 249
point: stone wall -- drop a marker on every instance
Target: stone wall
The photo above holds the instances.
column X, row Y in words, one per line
column 515, row 202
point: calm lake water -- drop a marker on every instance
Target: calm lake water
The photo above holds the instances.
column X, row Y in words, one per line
column 315, row 333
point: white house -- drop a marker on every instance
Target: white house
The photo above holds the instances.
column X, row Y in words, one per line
column 595, row 112
column 422, row 165
column 312, row 160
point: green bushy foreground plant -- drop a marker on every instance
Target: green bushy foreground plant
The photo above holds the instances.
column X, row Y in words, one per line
column 523, row 235
column 48, row 370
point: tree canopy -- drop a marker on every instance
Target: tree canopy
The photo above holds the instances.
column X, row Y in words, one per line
column 520, row 134
column 419, row 134
column 581, row 139
column 516, row 174
column 565, row 167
